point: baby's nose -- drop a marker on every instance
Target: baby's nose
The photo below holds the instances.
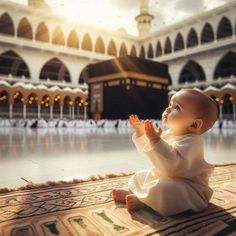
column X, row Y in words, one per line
column 168, row 109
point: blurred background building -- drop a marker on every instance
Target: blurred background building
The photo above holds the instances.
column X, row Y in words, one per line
column 44, row 57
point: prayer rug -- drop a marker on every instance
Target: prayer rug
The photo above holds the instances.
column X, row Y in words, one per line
column 86, row 208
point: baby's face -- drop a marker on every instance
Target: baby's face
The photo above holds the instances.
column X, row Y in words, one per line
column 181, row 113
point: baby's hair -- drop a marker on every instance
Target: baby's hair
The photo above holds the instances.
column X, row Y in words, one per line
column 206, row 107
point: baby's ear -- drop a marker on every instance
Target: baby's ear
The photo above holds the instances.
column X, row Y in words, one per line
column 196, row 125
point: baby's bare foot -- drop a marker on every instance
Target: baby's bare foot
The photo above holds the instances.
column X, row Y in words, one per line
column 133, row 203
column 119, row 195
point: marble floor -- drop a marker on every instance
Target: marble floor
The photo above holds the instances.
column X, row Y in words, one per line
column 39, row 155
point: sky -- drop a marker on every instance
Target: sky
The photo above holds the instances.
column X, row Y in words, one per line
column 117, row 14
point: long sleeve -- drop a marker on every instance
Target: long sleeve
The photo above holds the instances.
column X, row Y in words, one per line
column 179, row 179
column 182, row 158
column 140, row 142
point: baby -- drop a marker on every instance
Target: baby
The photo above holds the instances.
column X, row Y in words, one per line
column 179, row 178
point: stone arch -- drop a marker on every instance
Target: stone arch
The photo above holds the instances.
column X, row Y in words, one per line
column 83, row 78
column 73, row 41
column 87, row 43
column 6, row 24
column 123, row 50
column 24, row 29
column 150, row 51
column 224, row 28
column 192, row 39
column 4, row 95
column 67, row 103
column 226, row 67
column 4, row 103
column 45, row 105
column 227, row 108
column 99, row 46
column 133, row 51
column 56, row 105
column 78, row 106
column 142, row 52
column 32, row 104
column 207, row 34
column 179, row 42
column 158, row 49
column 192, row 72
column 55, row 70
column 168, row 46
column 18, row 101
column 58, row 36
column 112, row 48
column 12, row 63
column 42, row 33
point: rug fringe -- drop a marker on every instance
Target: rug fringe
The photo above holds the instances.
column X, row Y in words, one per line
column 76, row 181
column 224, row 164
column 64, row 182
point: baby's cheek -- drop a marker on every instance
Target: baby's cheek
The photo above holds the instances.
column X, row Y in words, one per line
column 175, row 117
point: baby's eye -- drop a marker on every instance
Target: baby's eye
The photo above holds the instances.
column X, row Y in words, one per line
column 177, row 108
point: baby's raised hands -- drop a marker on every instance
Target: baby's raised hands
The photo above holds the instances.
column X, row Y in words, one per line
column 137, row 125
column 152, row 134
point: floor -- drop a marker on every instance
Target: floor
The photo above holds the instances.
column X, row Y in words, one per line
column 39, row 155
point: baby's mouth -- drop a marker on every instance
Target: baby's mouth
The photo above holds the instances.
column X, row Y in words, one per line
column 164, row 117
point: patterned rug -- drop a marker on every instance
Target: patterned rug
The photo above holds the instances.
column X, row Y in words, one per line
column 86, row 208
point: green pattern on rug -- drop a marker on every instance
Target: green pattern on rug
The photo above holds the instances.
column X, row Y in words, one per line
column 86, row 208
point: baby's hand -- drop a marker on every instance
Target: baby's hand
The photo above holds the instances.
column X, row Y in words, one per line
column 137, row 125
column 152, row 134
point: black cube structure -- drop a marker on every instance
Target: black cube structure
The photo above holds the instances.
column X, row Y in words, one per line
column 128, row 85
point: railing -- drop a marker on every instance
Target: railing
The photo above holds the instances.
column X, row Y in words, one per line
column 53, row 48
column 49, row 82
column 219, row 81
column 197, row 49
column 34, row 115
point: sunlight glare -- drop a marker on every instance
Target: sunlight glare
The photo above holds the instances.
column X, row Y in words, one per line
column 87, row 12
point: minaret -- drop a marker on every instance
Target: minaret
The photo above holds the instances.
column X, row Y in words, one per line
column 144, row 19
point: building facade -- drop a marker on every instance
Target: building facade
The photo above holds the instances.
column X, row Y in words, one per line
column 43, row 57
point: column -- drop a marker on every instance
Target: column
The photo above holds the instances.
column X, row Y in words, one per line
column 85, row 112
column 220, row 115
column 69, row 112
column 51, row 112
column 24, row 111
column 61, row 112
column 78, row 112
column 73, row 113
column 39, row 111
column 10, row 110
column 234, row 111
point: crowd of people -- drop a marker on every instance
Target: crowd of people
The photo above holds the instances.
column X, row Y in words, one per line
column 89, row 123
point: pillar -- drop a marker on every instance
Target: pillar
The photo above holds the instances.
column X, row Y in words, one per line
column 85, row 112
column 39, row 111
column 24, row 111
column 220, row 115
column 10, row 110
column 78, row 112
column 69, row 112
column 51, row 112
column 73, row 113
column 61, row 112
column 234, row 111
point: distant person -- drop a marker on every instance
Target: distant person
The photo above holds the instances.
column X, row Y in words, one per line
column 179, row 178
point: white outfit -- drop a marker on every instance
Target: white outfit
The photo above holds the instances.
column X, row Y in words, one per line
column 179, row 179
